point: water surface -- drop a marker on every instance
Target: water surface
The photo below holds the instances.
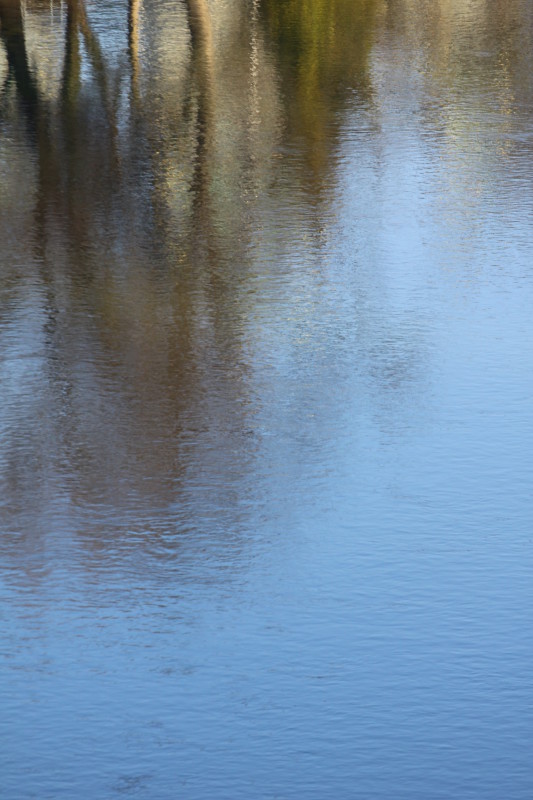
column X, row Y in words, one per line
column 266, row 399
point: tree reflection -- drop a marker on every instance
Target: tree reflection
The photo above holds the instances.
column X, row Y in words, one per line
column 139, row 360
column 323, row 48
column 12, row 37
column 169, row 157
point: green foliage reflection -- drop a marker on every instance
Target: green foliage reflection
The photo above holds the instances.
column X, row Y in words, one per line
column 323, row 48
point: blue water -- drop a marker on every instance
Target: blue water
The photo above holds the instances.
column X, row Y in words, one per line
column 266, row 406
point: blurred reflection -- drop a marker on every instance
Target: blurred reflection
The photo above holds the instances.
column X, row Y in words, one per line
column 170, row 175
column 265, row 398
column 148, row 208
column 323, row 48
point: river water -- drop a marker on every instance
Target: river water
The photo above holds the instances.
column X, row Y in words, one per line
column 266, row 399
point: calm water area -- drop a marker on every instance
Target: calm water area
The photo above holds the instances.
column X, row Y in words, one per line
column 266, row 399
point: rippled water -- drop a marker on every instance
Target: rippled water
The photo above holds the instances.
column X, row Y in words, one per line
column 266, row 399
